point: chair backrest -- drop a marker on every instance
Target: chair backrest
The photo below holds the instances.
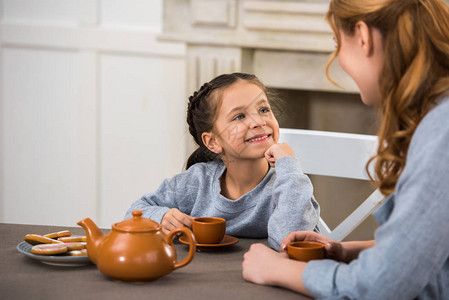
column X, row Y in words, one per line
column 340, row 155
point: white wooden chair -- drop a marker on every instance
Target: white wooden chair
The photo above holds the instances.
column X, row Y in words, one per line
column 340, row 155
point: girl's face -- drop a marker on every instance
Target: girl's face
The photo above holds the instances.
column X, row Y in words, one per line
column 245, row 127
column 361, row 57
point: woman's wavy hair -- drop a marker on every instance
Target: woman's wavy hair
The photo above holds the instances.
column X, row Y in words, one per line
column 415, row 72
column 203, row 108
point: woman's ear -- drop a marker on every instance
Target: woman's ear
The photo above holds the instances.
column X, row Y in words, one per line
column 364, row 37
column 211, row 142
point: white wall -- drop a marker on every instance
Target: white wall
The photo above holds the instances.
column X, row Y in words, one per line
column 92, row 108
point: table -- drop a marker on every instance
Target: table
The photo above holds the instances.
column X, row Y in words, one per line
column 211, row 275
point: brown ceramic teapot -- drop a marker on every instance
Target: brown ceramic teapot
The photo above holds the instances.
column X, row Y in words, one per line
column 136, row 249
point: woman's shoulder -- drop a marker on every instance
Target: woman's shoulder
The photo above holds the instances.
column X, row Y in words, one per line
column 437, row 117
column 432, row 134
column 436, row 122
column 441, row 107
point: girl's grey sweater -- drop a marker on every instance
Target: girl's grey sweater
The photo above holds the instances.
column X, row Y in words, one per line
column 281, row 203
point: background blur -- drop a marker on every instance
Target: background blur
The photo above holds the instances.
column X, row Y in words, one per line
column 94, row 92
column 92, row 108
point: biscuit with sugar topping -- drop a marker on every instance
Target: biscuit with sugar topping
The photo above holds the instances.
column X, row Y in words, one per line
column 76, row 253
column 73, row 239
column 49, row 249
column 75, row 246
column 58, row 234
column 35, row 239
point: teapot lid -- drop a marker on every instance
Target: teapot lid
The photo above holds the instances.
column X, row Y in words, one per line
column 137, row 224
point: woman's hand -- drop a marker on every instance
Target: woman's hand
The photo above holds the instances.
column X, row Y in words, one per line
column 277, row 151
column 263, row 265
column 259, row 263
column 334, row 250
column 339, row 251
column 174, row 219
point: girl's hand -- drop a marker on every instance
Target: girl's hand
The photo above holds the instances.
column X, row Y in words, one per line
column 277, row 151
column 334, row 250
column 174, row 219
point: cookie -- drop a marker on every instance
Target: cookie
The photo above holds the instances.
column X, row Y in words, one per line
column 55, row 235
column 73, row 239
column 36, row 239
column 75, row 246
column 49, row 249
column 82, row 252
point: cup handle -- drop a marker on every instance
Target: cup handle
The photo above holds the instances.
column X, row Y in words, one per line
column 192, row 245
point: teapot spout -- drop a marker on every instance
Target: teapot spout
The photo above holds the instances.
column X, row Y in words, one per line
column 94, row 238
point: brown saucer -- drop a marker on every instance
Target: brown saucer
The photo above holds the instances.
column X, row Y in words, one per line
column 227, row 241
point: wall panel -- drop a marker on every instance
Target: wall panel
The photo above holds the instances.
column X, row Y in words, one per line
column 131, row 13
column 92, row 109
column 142, row 121
column 42, row 138
column 43, row 11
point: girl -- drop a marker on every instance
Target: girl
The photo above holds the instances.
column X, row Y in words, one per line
column 398, row 54
column 229, row 175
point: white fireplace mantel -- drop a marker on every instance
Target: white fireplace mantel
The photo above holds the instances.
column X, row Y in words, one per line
column 286, row 43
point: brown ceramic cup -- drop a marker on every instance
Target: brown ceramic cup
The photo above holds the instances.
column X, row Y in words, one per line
column 305, row 251
column 209, row 230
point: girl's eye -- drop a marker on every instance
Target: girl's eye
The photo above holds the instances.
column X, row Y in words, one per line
column 264, row 110
column 238, row 117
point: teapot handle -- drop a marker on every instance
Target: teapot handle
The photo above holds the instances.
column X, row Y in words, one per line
column 192, row 245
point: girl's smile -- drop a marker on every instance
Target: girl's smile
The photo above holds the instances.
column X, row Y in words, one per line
column 260, row 138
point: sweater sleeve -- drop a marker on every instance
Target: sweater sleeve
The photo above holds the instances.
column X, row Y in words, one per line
column 172, row 193
column 410, row 257
column 296, row 208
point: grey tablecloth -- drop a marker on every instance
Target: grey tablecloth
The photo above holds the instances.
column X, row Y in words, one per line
column 211, row 275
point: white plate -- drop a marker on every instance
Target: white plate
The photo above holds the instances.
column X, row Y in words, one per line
column 56, row 260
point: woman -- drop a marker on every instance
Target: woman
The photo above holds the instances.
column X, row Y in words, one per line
column 397, row 52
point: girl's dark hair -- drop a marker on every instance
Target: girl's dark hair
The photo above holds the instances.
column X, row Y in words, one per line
column 203, row 108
